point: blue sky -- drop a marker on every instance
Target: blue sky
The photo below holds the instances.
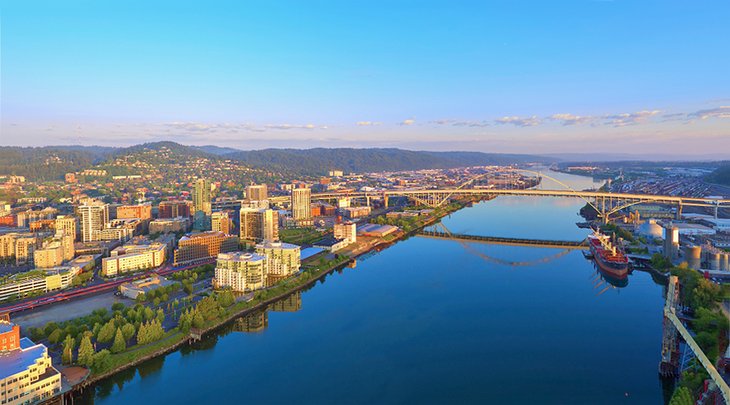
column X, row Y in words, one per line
column 501, row 76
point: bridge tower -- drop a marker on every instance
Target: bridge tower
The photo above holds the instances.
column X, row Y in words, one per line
column 669, row 366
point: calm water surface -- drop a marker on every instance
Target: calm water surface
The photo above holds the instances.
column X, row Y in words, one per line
column 435, row 321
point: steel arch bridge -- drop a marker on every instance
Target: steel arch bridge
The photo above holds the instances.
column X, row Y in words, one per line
column 467, row 245
column 605, row 203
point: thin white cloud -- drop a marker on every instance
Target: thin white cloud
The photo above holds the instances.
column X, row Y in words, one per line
column 519, row 121
column 367, row 123
column 462, row 123
column 409, row 121
column 624, row 119
column 571, row 119
column 719, row 112
column 228, row 127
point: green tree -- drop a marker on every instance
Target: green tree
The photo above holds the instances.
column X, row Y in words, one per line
column 55, row 336
column 160, row 316
column 68, row 350
column 128, row 331
column 705, row 295
column 187, row 287
column 681, row 396
column 658, row 261
column 86, row 352
column 198, row 321
column 120, row 344
column 226, row 299
column 106, row 333
column 101, row 361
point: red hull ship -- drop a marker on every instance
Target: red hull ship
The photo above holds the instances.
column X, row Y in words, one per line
column 608, row 257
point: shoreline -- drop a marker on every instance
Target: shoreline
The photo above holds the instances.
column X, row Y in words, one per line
column 188, row 338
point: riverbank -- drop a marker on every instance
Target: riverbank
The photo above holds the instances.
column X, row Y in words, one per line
column 175, row 339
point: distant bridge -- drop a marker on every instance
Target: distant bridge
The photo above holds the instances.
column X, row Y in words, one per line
column 556, row 244
column 605, row 203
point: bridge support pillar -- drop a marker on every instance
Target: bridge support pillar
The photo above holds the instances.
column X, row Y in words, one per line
column 679, row 211
column 386, row 201
column 716, row 209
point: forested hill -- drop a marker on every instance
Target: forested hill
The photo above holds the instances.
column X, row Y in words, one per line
column 51, row 163
column 320, row 160
column 721, row 175
column 48, row 163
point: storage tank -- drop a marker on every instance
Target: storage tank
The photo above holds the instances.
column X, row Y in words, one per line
column 693, row 255
column 714, row 261
column 725, row 261
column 651, row 229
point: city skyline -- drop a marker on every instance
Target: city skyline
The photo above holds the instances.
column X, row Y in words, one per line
column 572, row 77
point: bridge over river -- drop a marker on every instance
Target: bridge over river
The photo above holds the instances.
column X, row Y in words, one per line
column 605, row 203
column 558, row 244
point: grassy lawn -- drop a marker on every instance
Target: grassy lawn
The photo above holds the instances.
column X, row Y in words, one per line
column 299, row 236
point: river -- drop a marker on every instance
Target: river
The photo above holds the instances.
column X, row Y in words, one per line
column 435, row 321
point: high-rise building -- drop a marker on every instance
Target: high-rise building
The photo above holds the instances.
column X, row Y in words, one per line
column 67, row 243
column 221, row 222
column 301, row 210
column 282, row 259
column 174, row 209
column 202, row 205
column 203, row 245
column 28, row 375
column 256, row 192
column 67, row 225
column 50, row 255
column 202, row 196
column 94, row 215
column 240, row 271
column 20, row 246
column 25, row 247
column 25, row 218
column 141, row 211
column 259, row 224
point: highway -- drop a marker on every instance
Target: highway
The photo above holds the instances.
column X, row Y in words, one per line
column 69, row 294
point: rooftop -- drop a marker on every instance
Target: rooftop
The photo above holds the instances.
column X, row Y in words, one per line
column 201, row 235
column 15, row 361
column 274, row 245
column 241, row 257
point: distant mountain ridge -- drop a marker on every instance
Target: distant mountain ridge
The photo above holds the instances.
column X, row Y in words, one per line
column 50, row 163
column 320, row 160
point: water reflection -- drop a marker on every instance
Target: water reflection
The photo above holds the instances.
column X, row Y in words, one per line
column 291, row 303
column 258, row 321
column 612, row 280
column 254, row 322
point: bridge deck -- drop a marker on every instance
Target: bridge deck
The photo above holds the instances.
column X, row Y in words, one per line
column 665, row 199
column 559, row 244
column 706, row 363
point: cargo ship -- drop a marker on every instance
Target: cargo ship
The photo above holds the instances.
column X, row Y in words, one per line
column 610, row 259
